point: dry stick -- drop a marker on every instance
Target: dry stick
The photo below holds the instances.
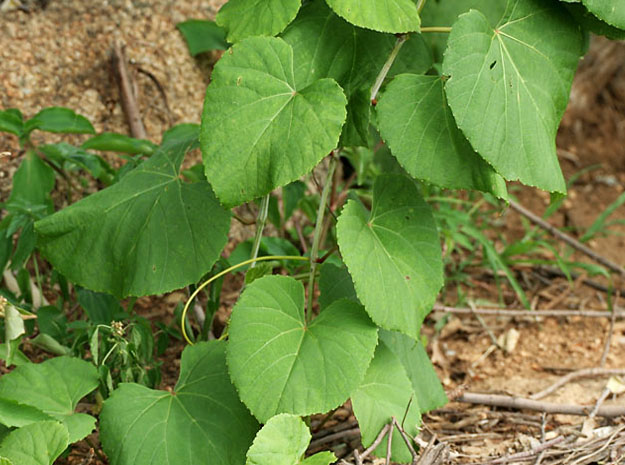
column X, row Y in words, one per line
column 161, row 91
column 129, row 102
column 608, row 340
column 532, row 313
column 485, row 326
column 520, row 403
column 407, row 440
column 522, row 456
column 584, row 373
column 566, row 238
column 543, row 427
column 389, row 443
column 372, row 447
column 345, row 435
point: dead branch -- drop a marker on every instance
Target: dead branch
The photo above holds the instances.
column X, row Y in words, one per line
column 528, row 313
column 584, row 373
column 520, row 403
column 566, row 238
column 129, row 100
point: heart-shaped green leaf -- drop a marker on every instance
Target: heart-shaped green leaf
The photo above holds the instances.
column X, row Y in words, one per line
column 388, row 16
column 386, row 392
column 283, row 441
column 274, row 355
column 508, row 86
column 610, row 11
column 61, row 120
column 259, row 129
column 245, row 18
column 393, row 254
column 54, row 387
column 202, row 421
column 413, row 357
column 149, row 233
column 413, row 117
column 35, row 444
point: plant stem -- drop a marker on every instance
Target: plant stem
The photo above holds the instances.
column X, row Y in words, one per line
column 444, row 29
column 420, row 5
column 314, row 252
column 387, row 66
column 260, row 225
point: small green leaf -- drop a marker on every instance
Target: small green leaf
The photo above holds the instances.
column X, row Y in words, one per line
column 54, row 387
column 610, row 11
column 33, row 181
column 13, row 323
column 202, row 36
column 275, row 132
column 61, row 120
column 415, row 120
column 509, row 85
column 11, row 121
column 147, row 234
column 66, row 155
column 246, row 18
column 282, row 441
column 335, row 283
column 386, row 392
column 273, row 354
column 35, row 444
column 413, row 357
column 202, row 421
column 393, row 254
column 389, row 16
column 113, row 142
column 321, row 458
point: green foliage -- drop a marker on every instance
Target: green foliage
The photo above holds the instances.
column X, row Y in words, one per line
column 109, row 141
column 36, row 444
column 610, row 11
column 60, row 120
column 202, row 36
column 273, row 353
column 245, row 18
column 391, row 16
column 202, row 421
column 283, row 441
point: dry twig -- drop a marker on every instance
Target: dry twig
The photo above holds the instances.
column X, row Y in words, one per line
column 528, row 313
column 129, row 100
column 584, row 373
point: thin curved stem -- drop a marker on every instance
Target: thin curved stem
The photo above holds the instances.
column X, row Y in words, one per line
column 260, row 225
column 444, row 29
column 183, row 317
column 314, row 251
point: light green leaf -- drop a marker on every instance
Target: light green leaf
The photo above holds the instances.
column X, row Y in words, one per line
column 4, row 461
column 35, row 444
column 415, row 120
column 274, row 355
column 61, row 120
column 610, row 11
column 321, row 458
column 13, row 323
column 386, row 392
column 245, row 18
column 14, row 414
column 508, row 86
column 335, row 283
column 112, row 142
column 393, row 254
column 413, row 357
column 54, row 387
column 147, row 234
column 202, row 36
column 282, row 441
column 18, row 357
column 33, row 181
column 326, row 46
column 11, row 121
column 388, row 16
column 202, row 422
column 260, row 130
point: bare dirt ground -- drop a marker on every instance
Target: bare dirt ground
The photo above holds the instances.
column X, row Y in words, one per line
column 59, row 56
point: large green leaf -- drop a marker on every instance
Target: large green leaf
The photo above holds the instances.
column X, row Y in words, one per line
column 202, row 421
column 326, row 46
column 393, row 254
column 508, row 86
column 147, row 234
column 283, row 441
column 54, row 387
column 36, row 444
column 610, row 11
column 245, row 18
column 259, row 129
column 202, row 36
column 274, row 355
column 388, row 16
column 415, row 120
column 413, row 357
column 445, row 13
column 61, row 120
column 386, row 392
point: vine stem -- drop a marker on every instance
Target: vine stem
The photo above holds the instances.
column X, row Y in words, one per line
column 443, row 29
column 314, row 251
column 420, row 5
column 387, row 66
column 183, row 317
column 260, row 225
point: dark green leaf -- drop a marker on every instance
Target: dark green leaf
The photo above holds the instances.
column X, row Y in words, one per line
column 610, row 11
column 101, row 308
column 11, row 121
column 61, row 120
column 335, row 283
column 202, row 36
column 113, row 142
